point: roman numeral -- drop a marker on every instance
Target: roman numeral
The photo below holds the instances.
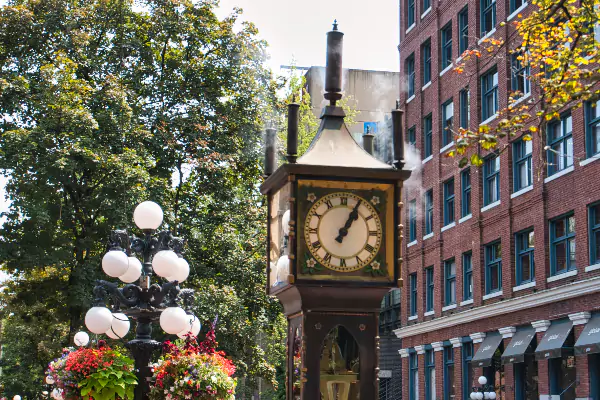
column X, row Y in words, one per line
column 343, row 262
column 373, row 233
column 369, row 248
column 368, row 217
column 316, row 245
column 358, row 260
column 329, row 204
column 316, row 215
column 344, row 201
column 327, row 258
column 312, row 230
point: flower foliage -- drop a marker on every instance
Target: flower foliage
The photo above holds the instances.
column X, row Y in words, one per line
column 195, row 371
column 89, row 373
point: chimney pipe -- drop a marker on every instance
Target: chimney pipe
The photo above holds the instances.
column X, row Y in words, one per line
column 270, row 151
column 292, row 132
column 368, row 142
column 333, row 68
column 398, row 138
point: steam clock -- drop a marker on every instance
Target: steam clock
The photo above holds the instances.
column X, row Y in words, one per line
column 334, row 240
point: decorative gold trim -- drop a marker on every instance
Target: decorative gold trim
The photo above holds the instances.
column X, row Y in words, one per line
column 291, row 279
column 400, row 283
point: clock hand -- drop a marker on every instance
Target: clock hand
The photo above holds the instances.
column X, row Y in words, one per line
column 351, row 218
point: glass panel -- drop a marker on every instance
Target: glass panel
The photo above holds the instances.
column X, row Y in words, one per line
column 452, row 292
column 530, row 239
column 559, row 228
column 595, row 139
column 523, row 172
column 596, row 248
column 528, row 147
column 432, row 384
column 279, row 266
column 554, row 132
column 571, row 252
column 569, row 152
column 494, row 284
column 595, row 210
column 340, row 366
column 560, row 257
column 297, row 364
column 571, row 224
column 525, row 267
column 450, row 381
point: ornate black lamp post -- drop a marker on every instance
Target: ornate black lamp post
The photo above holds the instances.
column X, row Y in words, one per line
column 144, row 302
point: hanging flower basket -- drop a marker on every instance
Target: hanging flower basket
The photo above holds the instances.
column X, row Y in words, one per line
column 89, row 373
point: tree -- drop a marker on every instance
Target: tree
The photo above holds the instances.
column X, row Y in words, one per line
column 558, row 43
column 104, row 104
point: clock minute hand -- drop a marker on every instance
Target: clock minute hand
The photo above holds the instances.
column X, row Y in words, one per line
column 351, row 218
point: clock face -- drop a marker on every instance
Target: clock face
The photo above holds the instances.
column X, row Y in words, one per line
column 343, row 231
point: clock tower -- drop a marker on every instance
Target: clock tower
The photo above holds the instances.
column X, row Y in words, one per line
column 334, row 240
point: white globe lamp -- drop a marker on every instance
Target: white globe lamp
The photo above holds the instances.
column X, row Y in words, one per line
column 133, row 272
column 148, row 215
column 285, row 222
column 119, row 327
column 283, row 268
column 492, row 395
column 165, row 263
column 173, row 320
column 17, row 397
column 115, row 263
column 49, row 380
column 193, row 327
column 81, row 339
column 473, row 396
column 482, row 380
column 98, row 320
column 479, row 396
column 182, row 271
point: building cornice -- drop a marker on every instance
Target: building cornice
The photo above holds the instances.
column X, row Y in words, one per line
column 507, row 332
column 548, row 296
column 456, row 341
column 580, row 318
column 541, row 326
column 477, row 337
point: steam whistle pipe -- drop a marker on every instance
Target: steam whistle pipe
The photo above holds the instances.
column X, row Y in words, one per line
column 270, row 151
column 368, row 142
column 398, row 138
column 292, row 132
column 333, row 66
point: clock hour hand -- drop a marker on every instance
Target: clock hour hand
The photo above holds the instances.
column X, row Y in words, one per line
column 351, row 218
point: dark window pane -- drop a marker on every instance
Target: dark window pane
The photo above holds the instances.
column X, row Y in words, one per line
column 525, row 270
column 560, row 252
column 559, row 228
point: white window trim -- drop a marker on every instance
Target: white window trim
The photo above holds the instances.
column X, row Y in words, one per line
column 450, row 307
column 592, row 268
column 487, row 35
column 413, row 317
column 410, row 28
column 450, row 225
column 411, row 98
column 562, row 276
column 524, row 286
column 589, row 160
column 521, row 99
column 465, row 218
column 459, row 59
column 517, row 11
column 428, row 236
column 490, row 119
column 522, row 191
column 466, row 302
column 429, row 313
column 426, row 12
column 427, row 159
column 446, row 147
column 492, row 205
column 412, row 243
column 426, row 85
column 448, row 68
column 559, row 174
column 492, row 295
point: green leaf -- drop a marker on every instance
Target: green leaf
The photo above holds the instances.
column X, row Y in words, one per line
column 476, row 160
column 463, row 162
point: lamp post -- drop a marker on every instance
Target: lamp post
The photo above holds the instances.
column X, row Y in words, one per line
column 484, row 392
column 144, row 302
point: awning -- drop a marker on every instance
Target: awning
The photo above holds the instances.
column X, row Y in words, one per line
column 515, row 352
column 552, row 343
column 483, row 357
column 589, row 340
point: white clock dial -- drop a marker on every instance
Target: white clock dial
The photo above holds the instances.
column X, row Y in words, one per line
column 343, row 232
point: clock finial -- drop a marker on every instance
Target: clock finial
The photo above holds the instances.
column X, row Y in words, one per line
column 333, row 68
column 335, row 25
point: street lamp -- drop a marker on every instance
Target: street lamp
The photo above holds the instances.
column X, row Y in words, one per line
column 143, row 302
column 484, row 392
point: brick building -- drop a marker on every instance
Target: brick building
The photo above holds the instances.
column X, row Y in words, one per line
column 501, row 263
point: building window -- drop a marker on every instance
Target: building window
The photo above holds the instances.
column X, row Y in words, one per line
column 491, row 180
column 489, row 94
column 429, row 375
column 467, row 372
column 412, row 135
column 390, row 311
column 450, row 277
column 413, row 383
column 427, row 135
column 463, row 30
column 449, row 389
column 593, row 128
column 467, row 266
column 447, row 118
column 426, row 51
column 446, row 34
column 429, row 212
column 562, row 245
column 525, row 261
column 410, row 21
column 413, row 294
column 488, row 16
column 426, row 5
column 412, row 220
column 515, row 4
column 465, row 111
column 560, row 142
column 429, row 289
column 594, row 213
column 465, row 201
column 493, row 267
column 449, row 201
column 519, row 76
column 410, row 74
column 522, row 171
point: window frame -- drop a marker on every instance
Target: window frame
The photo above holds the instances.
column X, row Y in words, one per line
column 563, row 140
column 429, row 289
column 447, row 122
column 413, row 294
column 448, row 393
column 410, row 13
column 426, row 5
column 487, row 79
column 389, row 314
column 449, row 202
column 519, row 253
column 514, row 7
column 518, row 71
column 464, row 109
column 567, row 238
column 491, row 7
column 590, row 124
column 449, row 281
column 521, row 157
column 489, row 176
column 429, row 367
column 593, row 228
column 412, row 220
column 463, row 29
column 446, row 46
column 428, row 135
column 410, row 75
column 490, row 251
column 467, row 353
column 411, row 135
column 413, row 372
column 467, row 268
column 465, row 189
column 426, row 51
column 428, row 204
